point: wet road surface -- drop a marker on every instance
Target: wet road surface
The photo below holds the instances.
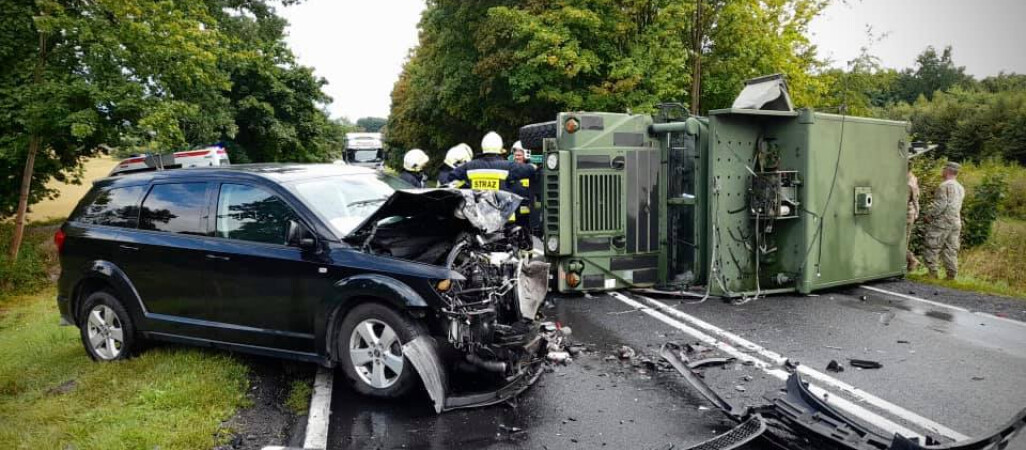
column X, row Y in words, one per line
column 961, row 370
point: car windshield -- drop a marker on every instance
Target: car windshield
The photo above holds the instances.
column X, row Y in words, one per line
column 364, row 155
column 345, row 201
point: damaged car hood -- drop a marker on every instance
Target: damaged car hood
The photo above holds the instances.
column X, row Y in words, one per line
column 487, row 211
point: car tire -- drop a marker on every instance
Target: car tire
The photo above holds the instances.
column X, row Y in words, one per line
column 105, row 327
column 531, row 136
column 370, row 344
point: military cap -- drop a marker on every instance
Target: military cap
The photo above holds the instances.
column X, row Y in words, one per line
column 953, row 166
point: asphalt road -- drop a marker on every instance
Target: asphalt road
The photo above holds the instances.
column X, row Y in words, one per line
column 943, row 369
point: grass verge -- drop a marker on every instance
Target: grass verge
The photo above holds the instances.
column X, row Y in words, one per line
column 995, row 267
column 299, row 396
column 53, row 396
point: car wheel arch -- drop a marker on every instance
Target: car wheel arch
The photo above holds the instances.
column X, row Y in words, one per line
column 104, row 275
column 341, row 310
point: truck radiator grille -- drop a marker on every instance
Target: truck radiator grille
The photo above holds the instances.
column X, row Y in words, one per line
column 551, row 206
column 601, row 198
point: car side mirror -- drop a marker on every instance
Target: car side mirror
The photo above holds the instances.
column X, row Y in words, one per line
column 296, row 235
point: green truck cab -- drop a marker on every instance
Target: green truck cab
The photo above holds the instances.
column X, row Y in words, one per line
column 755, row 199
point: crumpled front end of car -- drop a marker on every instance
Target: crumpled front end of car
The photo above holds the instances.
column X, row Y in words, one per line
column 488, row 322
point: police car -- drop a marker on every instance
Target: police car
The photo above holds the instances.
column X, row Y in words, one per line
column 212, row 156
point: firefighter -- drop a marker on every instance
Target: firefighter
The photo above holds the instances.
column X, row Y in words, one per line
column 944, row 223
column 455, row 157
column 413, row 167
column 490, row 171
column 523, row 186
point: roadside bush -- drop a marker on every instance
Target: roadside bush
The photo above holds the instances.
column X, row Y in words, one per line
column 981, row 210
column 37, row 261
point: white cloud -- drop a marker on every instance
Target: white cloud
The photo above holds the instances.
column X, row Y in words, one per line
column 358, row 46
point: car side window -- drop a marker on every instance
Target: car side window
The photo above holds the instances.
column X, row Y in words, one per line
column 252, row 214
column 116, row 207
column 175, row 208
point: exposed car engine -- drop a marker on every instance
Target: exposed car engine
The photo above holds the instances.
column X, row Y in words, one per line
column 491, row 314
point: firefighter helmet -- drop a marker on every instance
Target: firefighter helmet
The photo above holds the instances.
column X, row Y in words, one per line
column 415, row 160
column 492, row 143
column 457, row 155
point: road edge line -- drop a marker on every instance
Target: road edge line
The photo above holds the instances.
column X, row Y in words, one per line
column 320, row 409
column 944, row 305
column 866, row 415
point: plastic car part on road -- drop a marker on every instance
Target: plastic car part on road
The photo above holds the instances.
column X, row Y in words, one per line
column 799, row 420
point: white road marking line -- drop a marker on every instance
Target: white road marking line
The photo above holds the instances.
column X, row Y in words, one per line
column 320, row 409
column 779, row 359
column 833, row 399
column 944, row 305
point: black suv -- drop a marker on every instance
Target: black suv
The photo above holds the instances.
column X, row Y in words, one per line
column 320, row 263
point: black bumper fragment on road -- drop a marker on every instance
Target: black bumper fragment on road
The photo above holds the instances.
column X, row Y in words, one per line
column 798, row 420
column 423, row 353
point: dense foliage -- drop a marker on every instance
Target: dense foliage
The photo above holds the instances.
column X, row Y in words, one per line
column 371, row 124
column 150, row 75
column 500, row 64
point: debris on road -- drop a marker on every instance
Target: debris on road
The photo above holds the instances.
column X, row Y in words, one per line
column 864, row 364
column 627, row 352
column 834, row 366
column 710, row 362
column 797, row 418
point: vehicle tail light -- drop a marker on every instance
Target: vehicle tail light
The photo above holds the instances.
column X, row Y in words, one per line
column 58, row 239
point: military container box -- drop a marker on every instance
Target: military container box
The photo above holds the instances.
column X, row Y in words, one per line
column 800, row 201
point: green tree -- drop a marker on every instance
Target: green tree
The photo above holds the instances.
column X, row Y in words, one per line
column 497, row 65
column 933, row 72
column 79, row 75
column 371, row 124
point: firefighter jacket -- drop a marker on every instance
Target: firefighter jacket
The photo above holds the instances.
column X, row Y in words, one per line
column 492, row 173
column 444, row 176
column 414, row 178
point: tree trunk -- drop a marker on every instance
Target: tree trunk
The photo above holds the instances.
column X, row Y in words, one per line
column 30, row 162
column 696, row 76
column 26, row 184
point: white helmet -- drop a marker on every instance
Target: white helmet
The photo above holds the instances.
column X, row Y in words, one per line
column 415, row 160
column 519, row 146
column 492, row 143
column 457, row 155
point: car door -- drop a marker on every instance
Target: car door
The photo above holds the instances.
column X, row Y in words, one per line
column 266, row 288
column 164, row 257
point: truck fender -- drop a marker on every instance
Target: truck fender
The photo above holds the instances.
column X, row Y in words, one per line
column 388, row 290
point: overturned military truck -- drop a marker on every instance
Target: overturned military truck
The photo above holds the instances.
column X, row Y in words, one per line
column 756, row 199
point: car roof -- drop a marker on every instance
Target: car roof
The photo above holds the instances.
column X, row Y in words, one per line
column 275, row 172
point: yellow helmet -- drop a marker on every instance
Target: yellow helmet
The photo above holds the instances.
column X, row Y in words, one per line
column 415, row 160
column 492, row 143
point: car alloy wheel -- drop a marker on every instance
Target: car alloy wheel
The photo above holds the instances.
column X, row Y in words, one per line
column 375, row 352
column 105, row 332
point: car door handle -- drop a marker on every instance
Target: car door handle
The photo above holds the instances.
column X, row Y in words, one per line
column 130, row 248
column 218, row 258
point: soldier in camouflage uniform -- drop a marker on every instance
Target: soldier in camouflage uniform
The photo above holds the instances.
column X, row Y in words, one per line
column 944, row 223
column 910, row 219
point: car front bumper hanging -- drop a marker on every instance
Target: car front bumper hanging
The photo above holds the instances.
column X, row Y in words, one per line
column 423, row 353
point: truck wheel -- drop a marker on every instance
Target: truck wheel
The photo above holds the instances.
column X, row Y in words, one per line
column 371, row 350
column 106, row 328
column 531, row 136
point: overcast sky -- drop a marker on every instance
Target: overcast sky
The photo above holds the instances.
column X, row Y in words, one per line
column 359, row 45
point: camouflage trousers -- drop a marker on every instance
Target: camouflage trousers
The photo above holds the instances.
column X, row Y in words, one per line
column 943, row 242
column 910, row 258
